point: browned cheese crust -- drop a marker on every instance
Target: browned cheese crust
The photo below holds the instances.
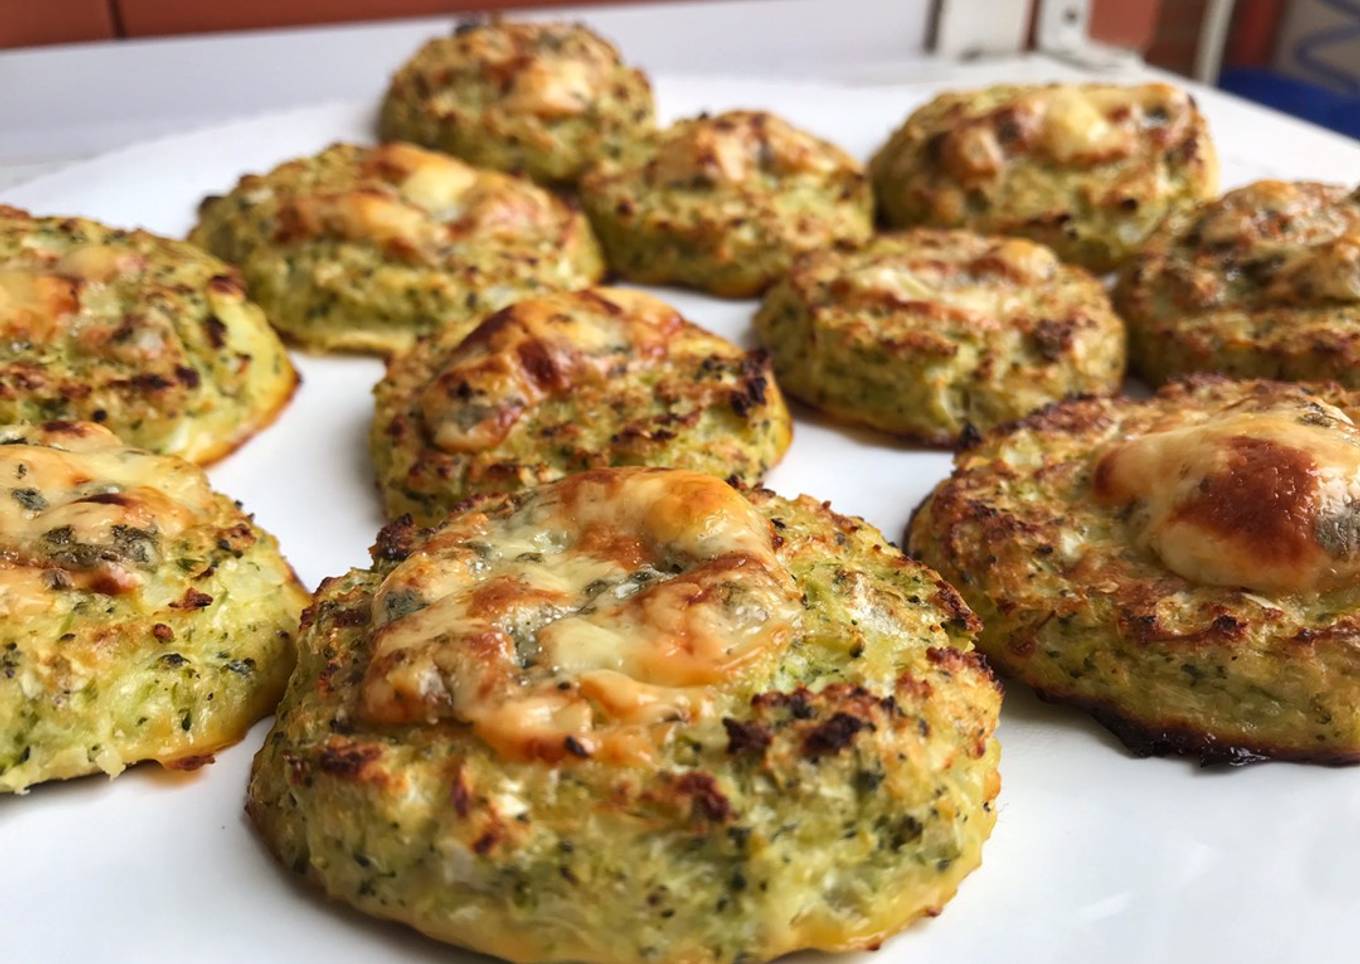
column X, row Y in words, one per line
column 1088, row 169
column 148, row 336
column 1185, row 567
column 1261, row 283
column 636, row 714
column 567, row 382
column 931, row 333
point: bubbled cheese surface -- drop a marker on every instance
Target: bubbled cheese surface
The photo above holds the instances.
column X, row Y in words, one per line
column 146, row 617
column 366, row 248
column 1264, row 500
column 637, row 590
column 566, row 382
column 147, row 335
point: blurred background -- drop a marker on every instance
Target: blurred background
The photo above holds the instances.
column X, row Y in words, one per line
column 84, row 76
column 1300, row 56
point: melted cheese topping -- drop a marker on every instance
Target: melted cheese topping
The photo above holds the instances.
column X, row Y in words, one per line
column 99, row 263
column 600, row 611
column 1079, row 125
column 35, row 304
column 1301, row 242
column 740, row 145
column 555, row 88
column 38, row 303
column 79, row 507
column 981, row 277
column 1268, row 501
column 542, row 69
column 415, row 199
column 538, row 349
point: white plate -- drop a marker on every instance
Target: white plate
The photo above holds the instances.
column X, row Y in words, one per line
column 1097, row 856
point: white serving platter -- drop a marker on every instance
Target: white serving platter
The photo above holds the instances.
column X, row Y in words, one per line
column 1096, row 857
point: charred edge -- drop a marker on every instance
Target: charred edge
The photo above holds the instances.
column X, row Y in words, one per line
column 957, row 660
column 460, row 794
column 187, row 763
column 347, row 761
column 708, row 799
column 227, row 284
column 949, row 600
column 216, row 330
column 150, row 382
column 192, row 599
column 754, row 383
column 798, row 703
column 107, row 498
column 396, row 540
column 746, row 737
column 484, row 844
column 837, row 733
column 353, row 616
column 599, row 301
column 1053, row 339
column 1069, row 416
column 1147, row 628
column 1144, row 740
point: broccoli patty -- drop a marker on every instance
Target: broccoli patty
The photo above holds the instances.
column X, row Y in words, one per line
column 148, row 336
column 1088, row 169
column 543, row 99
column 145, row 616
column 365, row 248
column 1262, row 283
column 1184, row 566
column 725, row 203
column 566, row 382
column 932, row 333
column 636, row 714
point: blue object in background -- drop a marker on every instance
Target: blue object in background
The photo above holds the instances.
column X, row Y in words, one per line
column 1340, row 112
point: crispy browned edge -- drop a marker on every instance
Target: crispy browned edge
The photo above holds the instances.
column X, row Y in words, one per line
column 1141, row 739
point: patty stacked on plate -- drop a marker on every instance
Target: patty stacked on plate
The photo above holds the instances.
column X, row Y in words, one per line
column 930, row 332
column 151, row 337
column 365, row 248
column 1264, row 282
column 636, row 714
column 146, row 618
column 725, row 203
column 1088, row 169
column 1184, row 566
column 545, row 99
column 566, row 382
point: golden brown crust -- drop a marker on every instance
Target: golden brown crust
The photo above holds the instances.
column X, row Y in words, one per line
column 146, row 335
column 725, row 203
column 568, row 382
column 1182, row 565
column 1088, row 169
column 1263, row 282
column 363, row 249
